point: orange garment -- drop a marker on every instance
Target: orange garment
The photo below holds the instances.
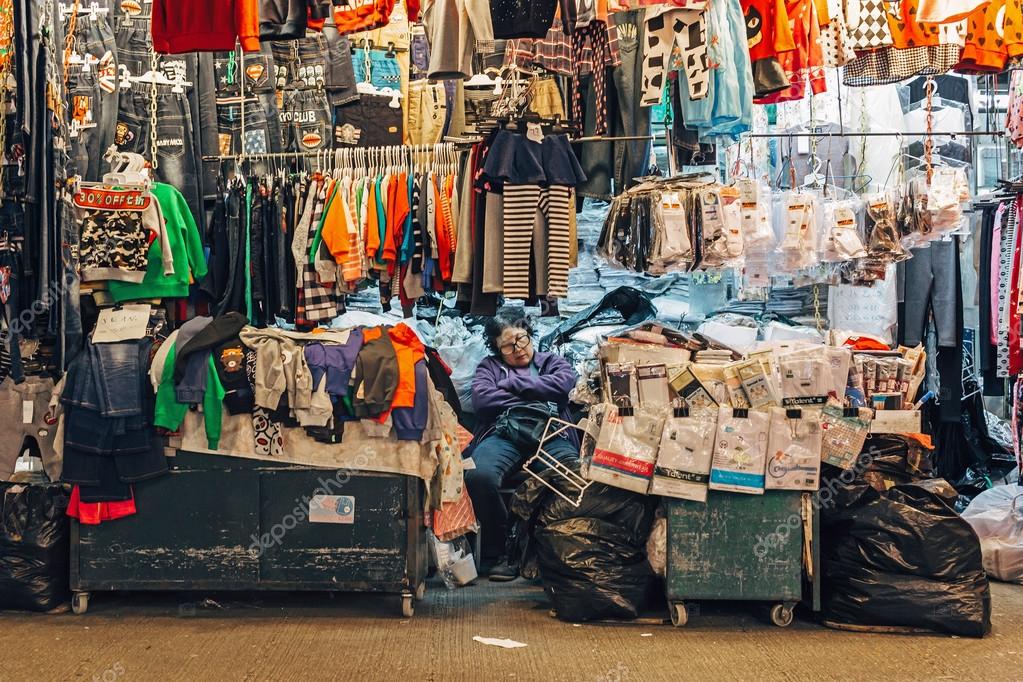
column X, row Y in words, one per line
column 389, row 250
column 352, row 269
column 907, row 31
column 445, row 228
column 409, row 350
column 806, row 61
column 398, row 209
column 1013, row 29
column 335, row 227
column 362, row 16
column 768, row 30
column 989, row 30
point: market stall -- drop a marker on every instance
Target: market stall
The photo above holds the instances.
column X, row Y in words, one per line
column 257, row 260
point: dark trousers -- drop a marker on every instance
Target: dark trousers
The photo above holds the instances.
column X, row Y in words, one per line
column 495, row 458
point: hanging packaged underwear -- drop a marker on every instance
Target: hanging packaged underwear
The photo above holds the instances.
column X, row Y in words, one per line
column 798, row 246
column 842, row 237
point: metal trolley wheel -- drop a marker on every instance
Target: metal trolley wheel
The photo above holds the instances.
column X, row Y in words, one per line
column 408, row 604
column 679, row 614
column 781, row 615
column 80, row 602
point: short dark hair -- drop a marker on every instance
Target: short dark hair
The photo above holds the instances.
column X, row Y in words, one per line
column 513, row 318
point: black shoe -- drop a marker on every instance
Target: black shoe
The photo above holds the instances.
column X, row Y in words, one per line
column 503, row 572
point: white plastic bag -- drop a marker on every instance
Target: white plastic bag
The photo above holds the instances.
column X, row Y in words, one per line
column 657, row 545
column 997, row 517
column 462, row 351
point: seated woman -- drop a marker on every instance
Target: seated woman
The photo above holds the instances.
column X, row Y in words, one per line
column 514, row 375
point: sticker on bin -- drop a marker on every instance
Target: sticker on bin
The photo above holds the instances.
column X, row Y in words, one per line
column 332, row 509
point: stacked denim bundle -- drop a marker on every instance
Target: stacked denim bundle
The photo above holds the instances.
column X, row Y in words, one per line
column 109, row 441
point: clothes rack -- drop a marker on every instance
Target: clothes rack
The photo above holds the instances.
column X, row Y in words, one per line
column 823, row 134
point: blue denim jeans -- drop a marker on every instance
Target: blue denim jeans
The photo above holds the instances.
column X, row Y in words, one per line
column 116, row 371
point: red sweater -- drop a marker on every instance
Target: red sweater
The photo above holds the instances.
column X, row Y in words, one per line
column 205, row 25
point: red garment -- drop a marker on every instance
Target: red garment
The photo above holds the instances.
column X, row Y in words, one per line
column 94, row 513
column 202, row 26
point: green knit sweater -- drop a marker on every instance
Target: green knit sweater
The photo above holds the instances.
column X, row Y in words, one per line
column 186, row 249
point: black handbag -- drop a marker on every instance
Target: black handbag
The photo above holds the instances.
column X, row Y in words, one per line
column 523, row 425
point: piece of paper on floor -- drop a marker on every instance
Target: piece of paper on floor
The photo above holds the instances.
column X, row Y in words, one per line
column 493, row 641
column 647, row 634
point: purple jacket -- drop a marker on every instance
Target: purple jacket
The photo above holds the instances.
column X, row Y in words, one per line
column 496, row 387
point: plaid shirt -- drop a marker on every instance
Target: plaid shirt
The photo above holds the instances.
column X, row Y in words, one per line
column 594, row 50
column 557, row 51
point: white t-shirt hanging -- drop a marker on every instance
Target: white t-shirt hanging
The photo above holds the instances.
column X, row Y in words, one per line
column 947, row 11
column 947, row 119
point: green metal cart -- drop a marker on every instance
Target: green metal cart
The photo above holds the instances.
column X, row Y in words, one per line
column 743, row 548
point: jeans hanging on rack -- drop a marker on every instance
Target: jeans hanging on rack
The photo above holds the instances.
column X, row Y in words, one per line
column 176, row 162
column 631, row 158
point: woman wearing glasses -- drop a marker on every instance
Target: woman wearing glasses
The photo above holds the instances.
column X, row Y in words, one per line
column 514, row 375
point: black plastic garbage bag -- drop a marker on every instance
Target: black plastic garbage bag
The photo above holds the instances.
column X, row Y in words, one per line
column 591, row 557
column 591, row 570
column 903, row 557
column 623, row 305
column 34, row 547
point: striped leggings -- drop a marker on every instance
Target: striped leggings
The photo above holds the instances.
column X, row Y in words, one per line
column 520, row 218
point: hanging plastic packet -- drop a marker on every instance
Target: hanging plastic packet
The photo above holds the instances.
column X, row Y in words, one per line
column 883, row 241
column 714, row 253
column 794, row 449
column 843, row 434
column 799, row 237
column 672, row 247
column 842, row 237
column 684, row 457
column 626, row 448
column 731, row 212
column 946, row 192
column 755, row 213
column 740, row 451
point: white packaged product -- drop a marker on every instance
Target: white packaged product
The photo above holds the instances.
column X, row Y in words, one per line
column 684, row 458
column 740, row 451
column 794, row 449
column 626, row 448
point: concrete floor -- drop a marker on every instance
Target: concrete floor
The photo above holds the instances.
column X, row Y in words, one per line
column 359, row 637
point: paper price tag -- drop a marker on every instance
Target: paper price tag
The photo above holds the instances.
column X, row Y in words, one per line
column 27, row 408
